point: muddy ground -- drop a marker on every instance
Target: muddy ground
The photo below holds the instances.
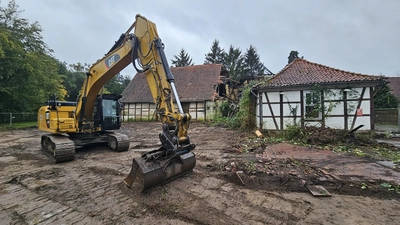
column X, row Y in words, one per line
column 229, row 185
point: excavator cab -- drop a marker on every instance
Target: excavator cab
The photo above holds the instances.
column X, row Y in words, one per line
column 107, row 112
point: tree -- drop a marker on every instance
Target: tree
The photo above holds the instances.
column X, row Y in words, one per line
column 234, row 63
column 79, row 67
column 28, row 72
column 183, row 59
column 72, row 80
column 73, row 77
column 384, row 98
column 117, row 84
column 292, row 56
column 252, row 65
column 217, row 54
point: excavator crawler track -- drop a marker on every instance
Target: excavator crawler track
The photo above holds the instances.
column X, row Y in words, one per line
column 58, row 147
column 61, row 148
column 118, row 142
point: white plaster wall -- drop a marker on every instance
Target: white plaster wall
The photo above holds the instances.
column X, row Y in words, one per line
column 291, row 96
column 333, row 122
column 287, row 109
column 338, row 108
column 275, row 109
column 211, row 109
column 268, row 123
column 272, row 96
column 333, row 94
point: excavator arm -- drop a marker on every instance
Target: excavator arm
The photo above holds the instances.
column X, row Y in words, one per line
column 151, row 56
column 175, row 156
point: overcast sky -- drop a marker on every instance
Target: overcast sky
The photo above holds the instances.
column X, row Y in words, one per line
column 361, row 36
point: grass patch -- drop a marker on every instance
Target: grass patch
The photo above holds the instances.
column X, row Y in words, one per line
column 18, row 125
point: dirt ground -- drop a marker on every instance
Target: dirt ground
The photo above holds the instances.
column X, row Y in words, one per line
column 264, row 185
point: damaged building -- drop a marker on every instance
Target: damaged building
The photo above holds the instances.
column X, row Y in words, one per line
column 200, row 88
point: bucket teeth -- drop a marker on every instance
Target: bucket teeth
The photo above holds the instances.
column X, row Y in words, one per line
column 146, row 174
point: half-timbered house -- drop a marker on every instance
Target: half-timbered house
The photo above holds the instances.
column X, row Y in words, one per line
column 310, row 94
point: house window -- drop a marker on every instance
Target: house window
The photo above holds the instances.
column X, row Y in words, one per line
column 312, row 110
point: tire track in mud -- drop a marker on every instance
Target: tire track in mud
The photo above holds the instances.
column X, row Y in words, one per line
column 217, row 201
column 98, row 194
column 90, row 190
column 86, row 193
column 28, row 207
column 227, row 203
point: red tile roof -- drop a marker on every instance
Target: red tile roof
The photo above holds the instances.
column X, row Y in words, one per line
column 193, row 83
column 394, row 85
column 303, row 72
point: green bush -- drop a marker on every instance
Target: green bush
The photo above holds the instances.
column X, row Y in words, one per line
column 293, row 132
column 244, row 118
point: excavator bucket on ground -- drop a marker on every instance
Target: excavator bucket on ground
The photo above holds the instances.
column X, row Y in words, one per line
column 148, row 173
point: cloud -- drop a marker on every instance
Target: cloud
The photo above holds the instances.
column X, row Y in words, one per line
column 359, row 35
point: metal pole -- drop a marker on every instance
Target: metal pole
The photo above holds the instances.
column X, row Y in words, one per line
column 10, row 119
column 178, row 102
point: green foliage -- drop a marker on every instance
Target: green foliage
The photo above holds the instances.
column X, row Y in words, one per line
column 363, row 186
column 18, row 125
column 241, row 68
column 243, row 119
column 315, row 98
column 252, row 64
column 391, row 187
column 351, row 94
column 183, row 59
column 234, row 63
column 250, row 167
column 74, row 75
column 384, row 98
column 117, row 84
column 79, row 67
column 293, row 132
column 227, row 109
column 28, row 73
column 216, row 55
column 292, row 56
column 72, row 80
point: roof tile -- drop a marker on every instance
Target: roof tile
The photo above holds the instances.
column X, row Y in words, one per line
column 193, row 83
column 303, row 72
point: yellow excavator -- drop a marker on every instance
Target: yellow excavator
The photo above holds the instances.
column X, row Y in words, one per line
column 92, row 119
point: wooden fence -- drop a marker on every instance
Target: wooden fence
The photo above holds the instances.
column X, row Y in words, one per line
column 387, row 116
column 387, row 120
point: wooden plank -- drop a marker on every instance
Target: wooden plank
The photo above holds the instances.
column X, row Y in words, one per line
column 358, row 106
column 270, row 109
